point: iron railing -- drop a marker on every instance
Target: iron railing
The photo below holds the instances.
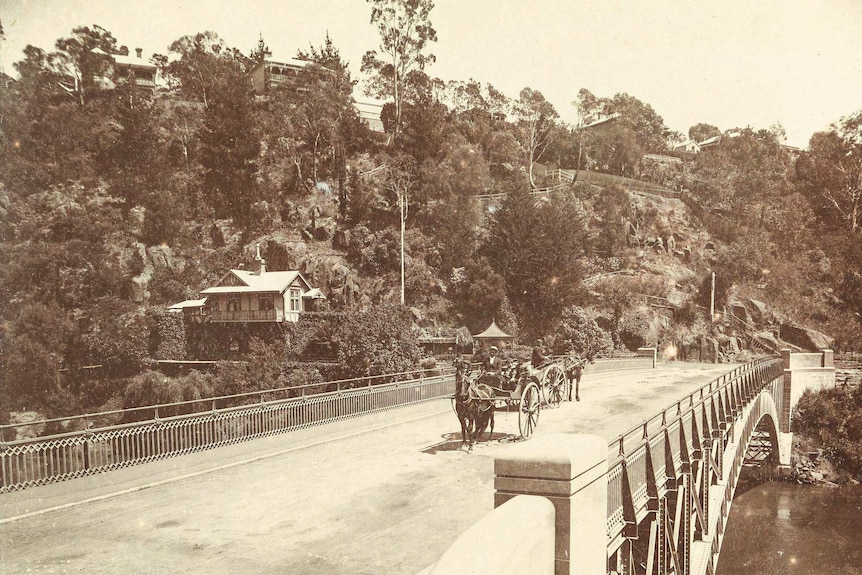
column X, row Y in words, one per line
column 96, row 447
column 641, row 458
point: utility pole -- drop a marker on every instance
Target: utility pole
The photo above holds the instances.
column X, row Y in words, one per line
column 712, row 299
column 401, row 202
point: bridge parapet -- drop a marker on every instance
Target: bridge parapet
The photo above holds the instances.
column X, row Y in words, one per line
column 670, row 481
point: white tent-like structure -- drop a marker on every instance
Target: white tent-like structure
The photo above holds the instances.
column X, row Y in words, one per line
column 493, row 335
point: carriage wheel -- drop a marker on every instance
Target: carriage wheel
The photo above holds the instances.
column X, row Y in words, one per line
column 555, row 386
column 528, row 414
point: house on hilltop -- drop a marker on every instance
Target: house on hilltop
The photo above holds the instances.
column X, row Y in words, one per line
column 272, row 73
column 123, row 69
column 254, row 296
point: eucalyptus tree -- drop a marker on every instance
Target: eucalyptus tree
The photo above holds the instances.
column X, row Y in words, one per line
column 618, row 146
column 199, row 66
column 831, row 172
column 405, row 31
column 537, row 122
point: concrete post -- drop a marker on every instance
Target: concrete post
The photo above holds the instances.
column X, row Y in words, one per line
column 785, row 357
column 828, row 358
column 649, row 352
column 571, row 471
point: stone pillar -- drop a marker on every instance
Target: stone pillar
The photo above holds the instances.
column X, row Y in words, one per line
column 785, row 357
column 571, row 471
column 828, row 358
column 648, row 352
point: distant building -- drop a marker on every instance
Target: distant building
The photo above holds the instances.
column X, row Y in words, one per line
column 253, row 296
column 272, row 73
column 369, row 113
column 123, row 69
column 689, row 146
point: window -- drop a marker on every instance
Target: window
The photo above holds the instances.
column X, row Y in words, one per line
column 233, row 303
column 264, row 302
column 295, row 300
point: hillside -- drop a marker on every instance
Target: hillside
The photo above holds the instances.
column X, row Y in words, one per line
column 121, row 198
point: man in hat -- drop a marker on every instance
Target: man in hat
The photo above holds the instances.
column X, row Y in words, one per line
column 492, row 363
column 538, row 356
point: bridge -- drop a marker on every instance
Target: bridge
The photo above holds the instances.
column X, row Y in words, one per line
column 386, row 493
column 659, row 501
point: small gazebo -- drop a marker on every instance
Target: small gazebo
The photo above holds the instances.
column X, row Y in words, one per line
column 493, row 336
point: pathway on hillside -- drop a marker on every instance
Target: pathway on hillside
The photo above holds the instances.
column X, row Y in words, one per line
column 380, row 500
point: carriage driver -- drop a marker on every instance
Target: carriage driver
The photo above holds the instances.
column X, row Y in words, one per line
column 492, row 363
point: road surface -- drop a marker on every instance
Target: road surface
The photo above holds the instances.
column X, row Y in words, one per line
column 381, row 494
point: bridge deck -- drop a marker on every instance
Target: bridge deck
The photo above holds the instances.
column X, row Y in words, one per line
column 385, row 493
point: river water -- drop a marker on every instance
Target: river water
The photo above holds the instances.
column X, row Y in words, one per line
column 783, row 528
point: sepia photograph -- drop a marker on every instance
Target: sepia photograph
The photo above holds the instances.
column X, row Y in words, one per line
column 430, row 287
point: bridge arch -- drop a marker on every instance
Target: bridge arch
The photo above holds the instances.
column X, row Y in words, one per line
column 671, row 480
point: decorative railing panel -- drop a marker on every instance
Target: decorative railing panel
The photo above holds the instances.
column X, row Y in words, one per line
column 30, row 462
column 677, row 451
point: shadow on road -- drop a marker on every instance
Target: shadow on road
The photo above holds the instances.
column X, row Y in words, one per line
column 452, row 442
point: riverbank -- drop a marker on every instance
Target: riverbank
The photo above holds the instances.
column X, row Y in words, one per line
column 809, row 466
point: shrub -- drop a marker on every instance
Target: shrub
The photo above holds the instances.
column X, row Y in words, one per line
column 833, row 417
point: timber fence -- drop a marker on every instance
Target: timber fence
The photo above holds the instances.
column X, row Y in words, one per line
column 148, row 434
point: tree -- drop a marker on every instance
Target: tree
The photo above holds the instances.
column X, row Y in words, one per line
column 202, row 65
column 230, row 147
column 831, row 173
column 536, row 120
column 579, row 333
column 537, row 249
column 82, row 59
column 405, row 31
column 744, row 177
column 637, row 129
column 700, row 132
column 378, row 341
column 478, row 292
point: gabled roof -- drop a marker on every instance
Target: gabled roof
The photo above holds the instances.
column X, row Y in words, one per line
column 688, row 145
column 189, row 303
column 493, row 332
column 253, row 282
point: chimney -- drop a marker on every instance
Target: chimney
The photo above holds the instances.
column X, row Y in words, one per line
column 139, row 51
column 262, row 269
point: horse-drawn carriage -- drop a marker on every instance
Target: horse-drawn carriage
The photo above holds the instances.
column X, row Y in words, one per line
column 517, row 385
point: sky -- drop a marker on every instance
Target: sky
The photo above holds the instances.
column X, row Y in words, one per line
column 732, row 64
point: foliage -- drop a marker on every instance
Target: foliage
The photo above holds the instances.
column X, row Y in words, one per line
column 833, row 417
column 831, row 173
column 700, row 132
column 153, row 388
column 537, row 249
column 169, row 335
column 477, row 292
column 405, row 31
column 579, row 333
column 618, row 145
column 377, row 341
column 202, row 65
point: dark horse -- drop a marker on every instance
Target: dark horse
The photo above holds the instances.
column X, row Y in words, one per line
column 474, row 405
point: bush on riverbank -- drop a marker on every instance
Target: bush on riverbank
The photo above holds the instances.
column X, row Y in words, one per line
column 832, row 418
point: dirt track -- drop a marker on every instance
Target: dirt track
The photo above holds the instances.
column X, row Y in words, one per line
column 385, row 501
